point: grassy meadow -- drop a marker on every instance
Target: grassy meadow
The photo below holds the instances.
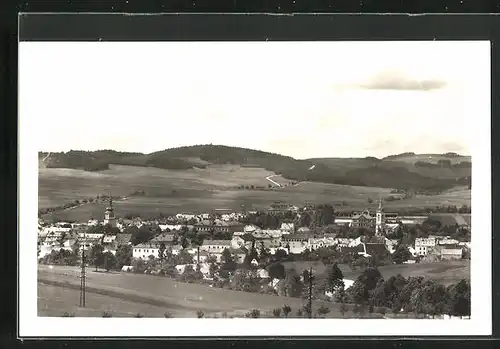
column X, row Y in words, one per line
column 201, row 190
column 445, row 272
column 125, row 294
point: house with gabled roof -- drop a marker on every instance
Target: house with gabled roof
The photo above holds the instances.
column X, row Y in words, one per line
column 215, row 246
column 123, row 239
column 363, row 220
column 165, row 238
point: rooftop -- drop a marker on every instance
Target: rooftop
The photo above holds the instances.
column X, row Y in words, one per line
column 123, row 238
column 164, row 237
column 217, row 242
column 147, row 244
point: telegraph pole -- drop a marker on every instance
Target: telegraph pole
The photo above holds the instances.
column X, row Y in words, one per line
column 310, row 292
column 82, row 276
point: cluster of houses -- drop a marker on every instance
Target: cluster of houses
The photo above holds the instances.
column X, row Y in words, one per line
column 440, row 247
column 289, row 238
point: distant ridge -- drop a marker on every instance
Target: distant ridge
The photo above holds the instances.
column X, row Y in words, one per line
column 402, row 171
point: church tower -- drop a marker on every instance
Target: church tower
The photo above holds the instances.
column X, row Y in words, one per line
column 109, row 215
column 379, row 222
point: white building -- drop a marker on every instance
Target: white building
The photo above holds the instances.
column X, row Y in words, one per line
column 273, row 250
column 448, row 241
column 237, row 241
column 391, row 244
column 90, row 236
column 215, row 246
column 185, row 216
column 92, row 222
column 108, row 239
column 287, row 228
column 343, row 221
column 170, row 227
column 145, row 250
column 250, row 228
column 345, row 242
column 424, row 245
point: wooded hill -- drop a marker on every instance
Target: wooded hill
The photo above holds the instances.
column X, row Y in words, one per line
column 398, row 171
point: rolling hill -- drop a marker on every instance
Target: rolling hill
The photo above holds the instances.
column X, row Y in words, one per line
column 406, row 171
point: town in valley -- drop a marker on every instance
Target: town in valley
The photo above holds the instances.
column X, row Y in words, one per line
column 310, row 261
column 318, row 186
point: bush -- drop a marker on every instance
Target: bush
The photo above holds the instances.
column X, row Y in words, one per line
column 200, row 314
column 66, row 314
column 322, row 311
column 277, row 312
column 139, row 315
column 344, row 308
column 167, row 315
column 254, row 314
column 286, row 310
column 106, row 314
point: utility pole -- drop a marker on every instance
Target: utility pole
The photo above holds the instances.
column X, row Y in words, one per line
column 310, row 292
column 82, row 276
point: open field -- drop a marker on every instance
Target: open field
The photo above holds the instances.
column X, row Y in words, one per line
column 443, row 272
column 58, row 186
column 201, row 190
column 446, row 273
column 124, row 294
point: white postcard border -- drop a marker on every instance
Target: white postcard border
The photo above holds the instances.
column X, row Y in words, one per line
column 480, row 323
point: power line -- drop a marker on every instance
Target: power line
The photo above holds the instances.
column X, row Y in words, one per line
column 82, row 276
column 309, row 310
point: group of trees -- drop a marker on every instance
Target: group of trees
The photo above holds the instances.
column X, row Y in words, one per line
column 75, row 203
column 375, row 173
column 331, row 255
column 407, row 235
column 313, row 217
column 416, row 295
column 61, row 257
column 416, row 211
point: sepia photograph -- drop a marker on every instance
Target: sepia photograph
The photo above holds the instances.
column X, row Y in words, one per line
column 294, row 181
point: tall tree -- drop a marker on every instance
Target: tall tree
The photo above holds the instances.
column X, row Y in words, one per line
column 276, row 271
column 335, row 280
column 228, row 262
column 124, row 255
column 110, row 261
column 161, row 252
column 406, row 292
column 458, row 299
column 323, row 215
column 96, row 255
column 293, row 285
column 401, row 254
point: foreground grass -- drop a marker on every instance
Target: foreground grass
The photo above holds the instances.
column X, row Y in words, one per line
column 158, row 294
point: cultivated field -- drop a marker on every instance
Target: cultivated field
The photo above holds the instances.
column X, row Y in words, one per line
column 124, row 294
column 201, row 190
column 58, row 186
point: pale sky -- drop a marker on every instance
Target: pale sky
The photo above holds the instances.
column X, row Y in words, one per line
column 302, row 99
